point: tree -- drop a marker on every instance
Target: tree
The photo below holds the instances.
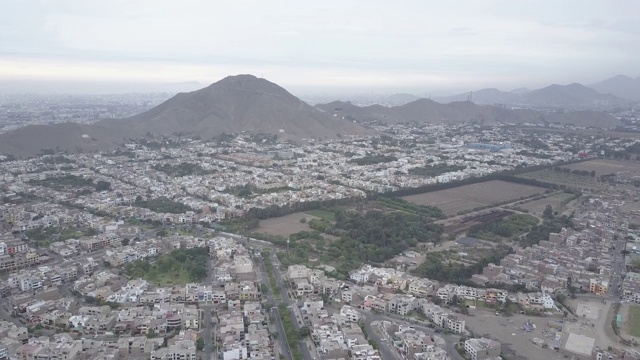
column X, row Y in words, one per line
column 304, row 331
column 548, row 212
column 125, row 241
column 200, row 344
column 593, row 173
column 103, row 186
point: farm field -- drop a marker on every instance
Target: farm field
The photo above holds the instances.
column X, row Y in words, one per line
column 286, row 225
column 604, row 167
column 556, row 201
column 467, row 197
column 565, row 179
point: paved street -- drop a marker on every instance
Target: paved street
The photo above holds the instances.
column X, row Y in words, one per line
column 287, row 301
column 282, row 339
column 207, row 334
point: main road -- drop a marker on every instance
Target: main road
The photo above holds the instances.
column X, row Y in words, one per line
column 282, row 338
column 290, row 305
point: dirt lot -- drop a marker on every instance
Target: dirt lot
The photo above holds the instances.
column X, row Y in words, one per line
column 516, row 343
column 285, row 225
column 455, row 200
column 537, row 207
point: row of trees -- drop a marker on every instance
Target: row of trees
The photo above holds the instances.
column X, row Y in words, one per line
column 591, row 173
column 435, row 170
column 163, row 205
column 276, row 211
column 403, row 205
column 372, row 160
column 182, row 169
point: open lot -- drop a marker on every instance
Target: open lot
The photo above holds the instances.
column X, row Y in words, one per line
column 516, row 343
column 467, row 197
column 285, row 225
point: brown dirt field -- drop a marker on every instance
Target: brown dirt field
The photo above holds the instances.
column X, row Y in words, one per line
column 285, row 225
column 467, row 197
column 604, row 167
column 537, row 207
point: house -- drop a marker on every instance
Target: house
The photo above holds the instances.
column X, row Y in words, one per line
column 482, row 349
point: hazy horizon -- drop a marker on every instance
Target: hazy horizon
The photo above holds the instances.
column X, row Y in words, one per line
column 331, row 46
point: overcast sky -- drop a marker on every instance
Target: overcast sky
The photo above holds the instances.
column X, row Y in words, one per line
column 322, row 45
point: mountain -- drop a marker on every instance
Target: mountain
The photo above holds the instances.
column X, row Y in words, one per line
column 621, row 86
column 429, row 111
column 572, row 95
column 559, row 96
column 233, row 104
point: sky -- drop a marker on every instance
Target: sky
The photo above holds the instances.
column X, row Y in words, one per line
column 319, row 46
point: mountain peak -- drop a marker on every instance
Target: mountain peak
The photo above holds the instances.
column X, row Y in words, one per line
column 249, row 83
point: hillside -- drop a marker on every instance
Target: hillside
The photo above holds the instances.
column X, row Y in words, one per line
column 233, row 104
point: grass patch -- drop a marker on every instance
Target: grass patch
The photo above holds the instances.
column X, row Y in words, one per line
column 634, row 321
column 323, row 214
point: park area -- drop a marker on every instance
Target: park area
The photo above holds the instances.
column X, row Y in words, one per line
column 177, row 267
column 481, row 195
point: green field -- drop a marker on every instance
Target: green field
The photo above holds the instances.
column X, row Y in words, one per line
column 634, row 321
column 323, row 214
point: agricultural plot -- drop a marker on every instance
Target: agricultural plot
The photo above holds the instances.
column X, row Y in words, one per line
column 557, row 202
column 604, row 167
column 468, row 197
column 563, row 179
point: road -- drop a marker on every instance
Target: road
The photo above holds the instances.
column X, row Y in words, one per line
column 282, row 339
column 618, row 267
column 386, row 352
column 208, row 330
column 304, row 349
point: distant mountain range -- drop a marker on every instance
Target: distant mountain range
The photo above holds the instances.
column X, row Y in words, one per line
column 621, row 86
column 553, row 96
column 246, row 103
column 233, row 104
column 429, row 111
